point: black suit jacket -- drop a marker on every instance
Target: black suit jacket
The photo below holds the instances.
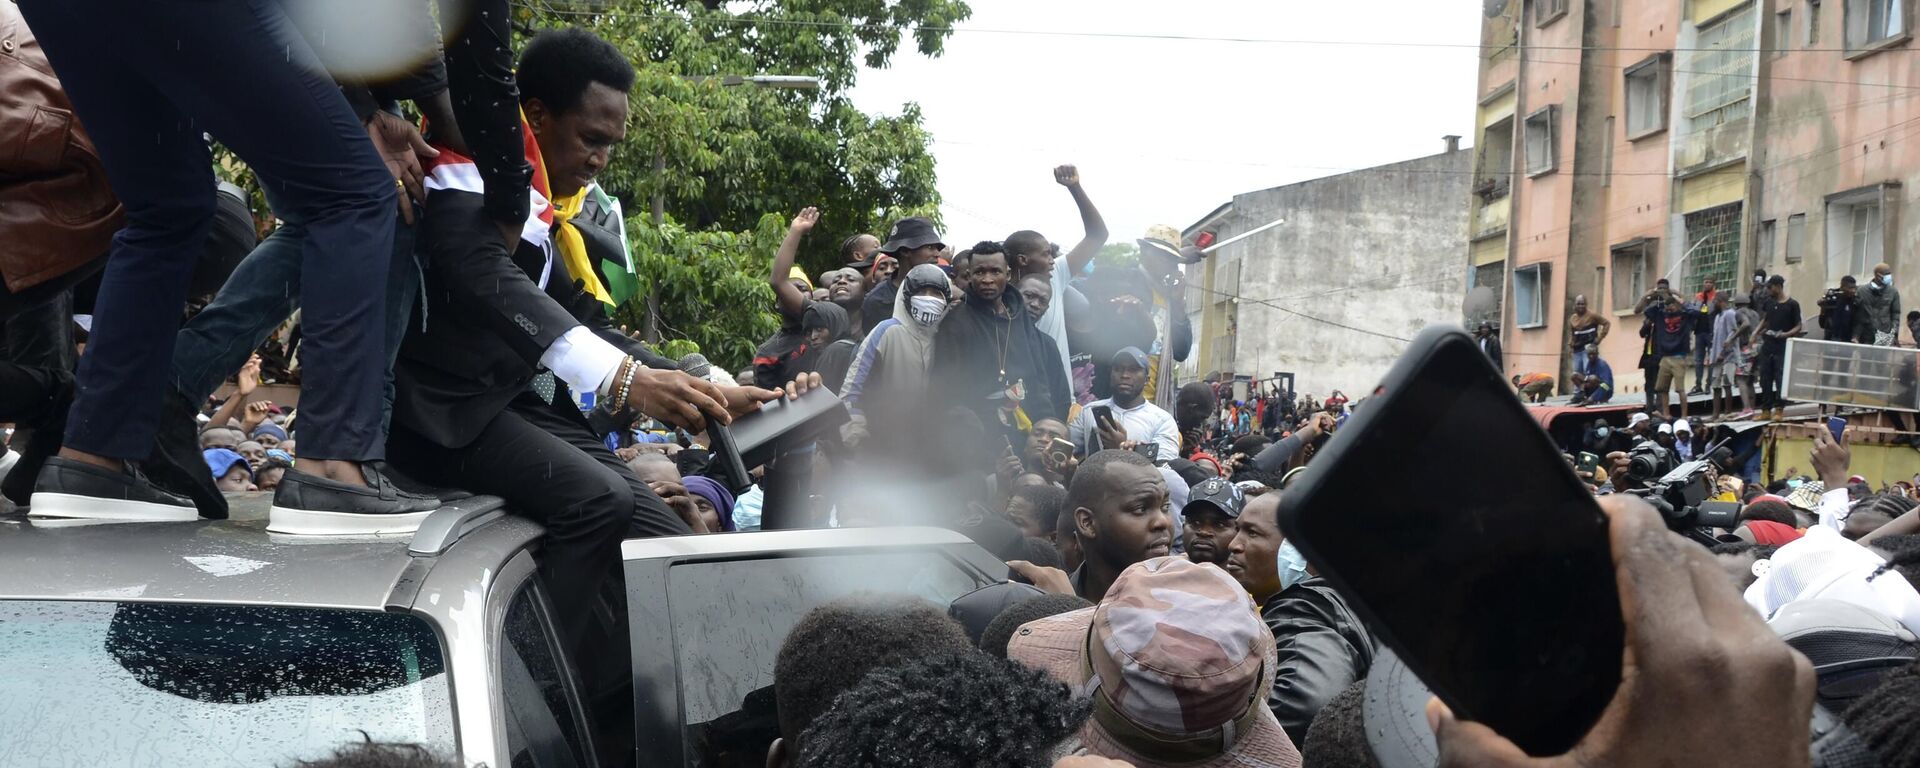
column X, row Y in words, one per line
column 477, row 342
column 1492, row 348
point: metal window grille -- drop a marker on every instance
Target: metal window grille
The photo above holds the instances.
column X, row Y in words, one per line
column 1713, row 240
column 1722, row 68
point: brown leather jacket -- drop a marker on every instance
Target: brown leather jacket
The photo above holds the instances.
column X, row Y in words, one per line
column 57, row 212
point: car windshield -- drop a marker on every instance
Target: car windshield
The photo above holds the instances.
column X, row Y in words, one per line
column 97, row 683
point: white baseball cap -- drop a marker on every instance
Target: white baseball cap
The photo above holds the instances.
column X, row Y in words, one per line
column 1666, row 429
column 1637, row 420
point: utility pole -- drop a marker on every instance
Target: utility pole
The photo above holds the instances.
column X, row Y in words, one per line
column 782, row 82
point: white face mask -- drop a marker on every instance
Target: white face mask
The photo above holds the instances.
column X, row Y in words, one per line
column 926, row 309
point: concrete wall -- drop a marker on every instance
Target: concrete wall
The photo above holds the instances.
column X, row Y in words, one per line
column 1832, row 122
column 1381, row 250
column 1637, row 191
column 1543, row 201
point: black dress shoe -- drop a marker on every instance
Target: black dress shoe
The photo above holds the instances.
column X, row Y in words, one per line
column 177, row 463
column 408, row 484
column 310, row 504
column 68, row 488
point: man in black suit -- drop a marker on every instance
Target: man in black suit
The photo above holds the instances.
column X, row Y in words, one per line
column 484, row 379
column 1489, row 342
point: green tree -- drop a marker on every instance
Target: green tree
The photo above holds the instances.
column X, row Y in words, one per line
column 725, row 159
column 1118, row 256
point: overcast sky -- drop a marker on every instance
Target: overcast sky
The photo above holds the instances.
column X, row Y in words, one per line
column 1165, row 130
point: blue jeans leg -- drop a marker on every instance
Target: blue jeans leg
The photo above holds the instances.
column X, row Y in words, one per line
column 147, row 85
column 262, row 293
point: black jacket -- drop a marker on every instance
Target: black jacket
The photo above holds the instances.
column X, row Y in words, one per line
column 1492, row 349
column 1322, row 647
column 476, row 70
column 970, row 347
column 486, row 323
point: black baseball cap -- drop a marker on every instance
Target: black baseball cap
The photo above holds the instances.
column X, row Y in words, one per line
column 910, row 233
column 1218, row 493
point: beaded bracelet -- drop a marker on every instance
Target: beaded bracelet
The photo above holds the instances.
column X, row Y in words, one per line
column 626, row 384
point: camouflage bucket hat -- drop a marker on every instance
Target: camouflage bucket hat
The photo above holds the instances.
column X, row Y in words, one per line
column 1177, row 663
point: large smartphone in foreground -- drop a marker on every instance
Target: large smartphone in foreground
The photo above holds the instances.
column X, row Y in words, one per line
column 1469, row 546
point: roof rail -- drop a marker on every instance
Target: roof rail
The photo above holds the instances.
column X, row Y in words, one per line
column 453, row 520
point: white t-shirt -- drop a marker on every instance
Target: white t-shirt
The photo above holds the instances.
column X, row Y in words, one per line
column 1054, row 322
column 1143, row 423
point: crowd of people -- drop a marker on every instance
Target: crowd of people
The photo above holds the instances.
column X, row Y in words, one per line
column 450, row 282
column 1734, row 344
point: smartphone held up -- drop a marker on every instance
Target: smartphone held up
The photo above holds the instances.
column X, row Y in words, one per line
column 1486, row 565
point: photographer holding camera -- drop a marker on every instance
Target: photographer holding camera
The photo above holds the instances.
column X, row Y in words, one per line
column 1671, row 329
column 1840, row 311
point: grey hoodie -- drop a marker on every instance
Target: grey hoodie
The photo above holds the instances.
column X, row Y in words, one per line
column 890, row 367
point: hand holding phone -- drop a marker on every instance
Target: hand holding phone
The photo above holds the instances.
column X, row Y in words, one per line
column 1109, row 431
column 1830, row 456
column 1700, row 658
column 1524, row 633
column 1058, row 453
column 1588, row 462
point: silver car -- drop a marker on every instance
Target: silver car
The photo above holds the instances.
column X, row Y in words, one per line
column 216, row 643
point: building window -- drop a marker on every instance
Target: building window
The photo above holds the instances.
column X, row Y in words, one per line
column 1713, row 245
column 1631, row 264
column 1529, row 296
column 1722, row 68
column 1855, row 235
column 1647, row 96
column 1546, row 11
column 1542, row 132
column 1796, row 238
column 1763, row 246
column 1496, row 160
column 1813, row 23
column 1782, row 33
column 1871, row 22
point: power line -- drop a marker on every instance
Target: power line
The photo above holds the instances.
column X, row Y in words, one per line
column 1164, row 36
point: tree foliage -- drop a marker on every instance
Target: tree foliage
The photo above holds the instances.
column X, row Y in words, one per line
column 731, row 157
column 712, row 288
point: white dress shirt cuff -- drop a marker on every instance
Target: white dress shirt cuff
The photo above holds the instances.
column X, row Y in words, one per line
column 1833, row 508
column 584, row 361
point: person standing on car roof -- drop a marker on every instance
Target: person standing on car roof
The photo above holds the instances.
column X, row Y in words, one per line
column 151, row 81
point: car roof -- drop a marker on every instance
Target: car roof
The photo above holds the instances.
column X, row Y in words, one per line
column 233, row 561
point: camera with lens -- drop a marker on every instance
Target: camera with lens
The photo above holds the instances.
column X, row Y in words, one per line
column 1681, row 492
column 1832, row 298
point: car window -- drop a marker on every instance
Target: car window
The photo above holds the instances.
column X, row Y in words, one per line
column 730, row 617
column 211, row 686
column 541, row 729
